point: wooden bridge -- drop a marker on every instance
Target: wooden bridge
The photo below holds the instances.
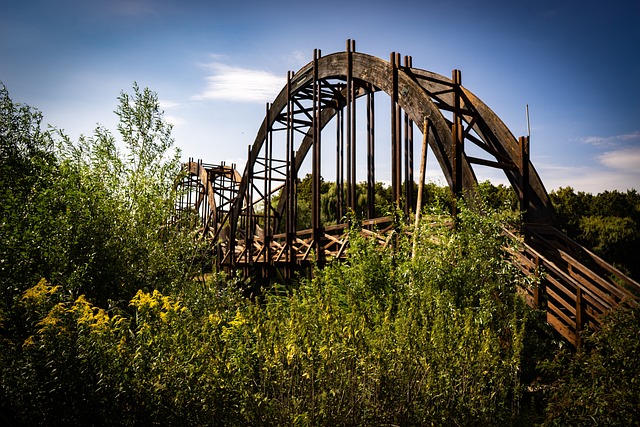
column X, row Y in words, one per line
column 325, row 123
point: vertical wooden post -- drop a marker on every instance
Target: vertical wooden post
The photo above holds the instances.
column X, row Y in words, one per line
column 408, row 155
column 290, row 161
column 398, row 141
column 423, row 171
column 394, row 131
column 340, row 164
column 457, row 142
column 579, row 319
column 350, row 130
column 316, row 167
column 267, row 190
column 353, row 128
column 293, row 203
column 537, row 291
column 248, row 232
column 523, row 142
column 233, row 224
column 371, row 178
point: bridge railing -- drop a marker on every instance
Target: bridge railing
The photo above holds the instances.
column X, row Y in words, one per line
column 275, row 249
column 577, row 288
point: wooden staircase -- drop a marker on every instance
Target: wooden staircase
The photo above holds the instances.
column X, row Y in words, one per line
column 577, row 288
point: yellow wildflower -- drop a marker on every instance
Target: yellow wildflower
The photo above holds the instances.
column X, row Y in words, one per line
column 39, row 293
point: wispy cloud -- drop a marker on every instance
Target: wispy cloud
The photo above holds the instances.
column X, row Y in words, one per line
column 166, row 105
column 617, row 169
column 175, row 121
column 240, row 84
column 299, row 57
column 607, row 141
column 624, row 159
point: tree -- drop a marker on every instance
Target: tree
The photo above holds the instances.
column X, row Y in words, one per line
column 607, row 223
column 90, row 216
column 27, row 168
column 132, row 202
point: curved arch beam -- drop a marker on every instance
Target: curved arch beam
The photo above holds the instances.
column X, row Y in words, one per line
column 416, row 89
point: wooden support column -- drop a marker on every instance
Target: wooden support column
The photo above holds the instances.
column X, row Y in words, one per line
column 395, row 132
column 290, row 183
column 354, row 89
column 406, row 165
column 523, row 142
column 267, row 230
column 293, row 203
column 350, row 128
column 371, row 177
column 579, row 319
column 457, row 140
column 339, row 164
column 537, row 290
column 233, row 224
column 316, row 221
column 423, row 173
column 248, row 233
column 408, row 155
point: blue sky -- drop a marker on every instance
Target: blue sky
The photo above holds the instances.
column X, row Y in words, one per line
column 575, row 63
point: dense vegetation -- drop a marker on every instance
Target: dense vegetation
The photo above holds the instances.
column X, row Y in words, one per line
column 105, row 320
column 608, row 223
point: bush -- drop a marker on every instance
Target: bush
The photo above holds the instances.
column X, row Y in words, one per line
column 600, row 384
column 381, row 339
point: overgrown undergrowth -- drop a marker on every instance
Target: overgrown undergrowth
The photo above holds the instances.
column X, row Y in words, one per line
column 381, row 339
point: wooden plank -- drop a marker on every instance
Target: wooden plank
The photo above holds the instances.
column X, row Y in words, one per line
column 491, row 163
column 597, row 280
column 342, row 248
column 560, row 315
column 602, row 263
column 554, row 283
column 567, row 333
column 555, row 298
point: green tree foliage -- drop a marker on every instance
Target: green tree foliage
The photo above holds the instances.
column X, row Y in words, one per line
column 498, row 196
column 600, row 385
column 608, row 223
column 137, row 194
column 27, row 167
column 91, row 216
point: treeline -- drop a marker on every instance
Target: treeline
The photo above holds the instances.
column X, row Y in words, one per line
column 106, row 319
column 607, row 223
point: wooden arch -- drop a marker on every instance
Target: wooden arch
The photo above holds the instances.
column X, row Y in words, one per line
column 326, row 89
column 420, row 94
column 260, row 237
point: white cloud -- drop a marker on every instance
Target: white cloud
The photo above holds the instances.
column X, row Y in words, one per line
column 165, row 104
column 600, row 141
column 624, row 159
column 240, row 84
column 617, row 167
column 175, row 121
column 616, row 170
